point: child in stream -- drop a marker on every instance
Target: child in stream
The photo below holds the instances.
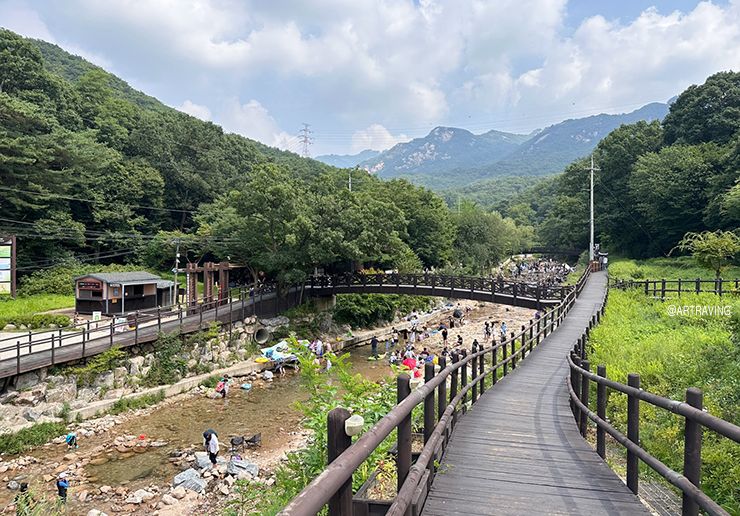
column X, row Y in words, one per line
column 62, row 486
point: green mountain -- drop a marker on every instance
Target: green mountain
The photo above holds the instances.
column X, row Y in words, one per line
column 449, row 157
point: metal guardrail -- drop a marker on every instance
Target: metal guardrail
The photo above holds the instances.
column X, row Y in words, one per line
column 695, row 419
column 334, row 485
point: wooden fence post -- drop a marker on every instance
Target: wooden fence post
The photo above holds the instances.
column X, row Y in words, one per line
column 531, row 326
column 584, row 397
column 453, row 387
column 494, row 361
column 575, row 382
column 482, row 371
column 338, row 441
column 513, row 351
column 18, row 357
column 601, row 412
column 403, row 460
column 428, row 403
column 633, row 433
column 136, row 328
column 473, row 372
column 464, row 380
column 442, row 390
column 692, row 451
column 52, row 349
column 503, row 357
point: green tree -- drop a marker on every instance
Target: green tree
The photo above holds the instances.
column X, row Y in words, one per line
column 713, row 250
column 706, row 113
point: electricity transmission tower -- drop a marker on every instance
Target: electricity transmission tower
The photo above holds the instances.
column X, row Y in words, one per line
column 305, row 139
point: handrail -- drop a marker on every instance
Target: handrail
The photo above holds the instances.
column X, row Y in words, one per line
column 663, row 286
column 334, row 482
column 695, row 418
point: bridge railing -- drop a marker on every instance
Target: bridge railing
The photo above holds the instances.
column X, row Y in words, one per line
column 667, row 287
column 695, row 420
column 28, row 345
column 334, row 485
column 493, row 286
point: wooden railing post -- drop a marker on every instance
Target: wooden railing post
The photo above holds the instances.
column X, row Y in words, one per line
column 30, row 337
column 524, row 342
column 136, row 328
column 18, row 357
column 503, row 357
column 538, row 330
column 513, row 351
column 692, row 451
column 111, row 332
column 52, row 349
column 428, row 403
column 453, row 387
column 442, row 391
column 584, row 398
column 159, row 319
column 481, row 371
column 575, row 382
column 601, row 412
column 633, row 433
column 531, row 326
column 340, row 504
column 473, row 372
column 494, row 361
column 464, row 380
column 403, row 460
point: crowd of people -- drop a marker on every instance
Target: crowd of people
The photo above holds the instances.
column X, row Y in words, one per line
column 539, row 270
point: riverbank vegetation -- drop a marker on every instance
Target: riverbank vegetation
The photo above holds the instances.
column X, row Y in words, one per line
column 367, row 310
column 671, row 354
column 679, row 267
column 336, row 388
column 27, row 438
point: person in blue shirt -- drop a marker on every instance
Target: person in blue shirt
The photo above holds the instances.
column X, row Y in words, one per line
column 71, row 440
column 62, row 486
column 503, row 331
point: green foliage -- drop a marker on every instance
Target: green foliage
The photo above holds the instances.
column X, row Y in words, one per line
column 364, row 310
column 672, row 354
column 26, row 305
column 211, row 381
column 64, row 412
column 26, row 438
column 328, row 390
column 127, row 404
column 34, row 321
column 713, row 250
column 105, row 361
column 169, row 363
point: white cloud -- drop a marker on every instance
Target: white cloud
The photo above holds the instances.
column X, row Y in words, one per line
column 254, row 121
column 375, row 137
column 195, row 110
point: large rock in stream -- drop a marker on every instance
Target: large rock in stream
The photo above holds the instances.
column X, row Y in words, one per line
column 237, row 466
column 190, row 479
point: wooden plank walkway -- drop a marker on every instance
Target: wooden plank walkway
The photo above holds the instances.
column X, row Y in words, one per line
column 518, row 450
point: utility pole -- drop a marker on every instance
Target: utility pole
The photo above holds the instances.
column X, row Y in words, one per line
column 305, row 139
column 592, row 169
column 350, row 178
column 177, row 266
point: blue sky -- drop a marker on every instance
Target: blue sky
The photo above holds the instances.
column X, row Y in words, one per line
column 371, row 73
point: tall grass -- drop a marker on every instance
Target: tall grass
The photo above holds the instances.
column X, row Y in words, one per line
column 671, row 354
column 26, row 438
column 22, row 306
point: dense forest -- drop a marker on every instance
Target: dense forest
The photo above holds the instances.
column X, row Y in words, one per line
column 95, row 171
column 657, row 181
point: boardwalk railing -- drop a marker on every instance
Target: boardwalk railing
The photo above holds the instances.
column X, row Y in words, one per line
column 666, row 288
column 695, row 420
column 334, row 485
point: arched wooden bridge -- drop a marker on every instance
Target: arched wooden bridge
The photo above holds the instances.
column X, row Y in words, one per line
column 504, row 432
column 25, row 352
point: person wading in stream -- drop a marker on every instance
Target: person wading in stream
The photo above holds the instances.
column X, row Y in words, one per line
column 62, row 486
column 374, row 346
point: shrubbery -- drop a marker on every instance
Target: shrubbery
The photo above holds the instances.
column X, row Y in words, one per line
column 105, row 361
column 671, row 354
column 126, row 404
column 35, row 321
column 362, row 310
column 26, row 438
column 169, row 365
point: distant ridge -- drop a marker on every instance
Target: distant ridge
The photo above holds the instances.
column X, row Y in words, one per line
column 451, row 157
column 347, row 160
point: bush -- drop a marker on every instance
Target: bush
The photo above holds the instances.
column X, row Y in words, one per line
column 169, row 364
column 35, row 321
column 35, row 435
column 211, row 382
column 147, row 400
column 105, row 361
column 362, row 310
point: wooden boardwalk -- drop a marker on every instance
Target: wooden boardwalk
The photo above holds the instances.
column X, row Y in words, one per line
column 518, row 450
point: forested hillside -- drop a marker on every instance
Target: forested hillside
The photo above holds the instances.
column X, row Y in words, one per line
column 657, row 181
column 94, row 170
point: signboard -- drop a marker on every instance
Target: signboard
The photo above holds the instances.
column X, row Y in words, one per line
column 7, row 265
column 90, row 285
